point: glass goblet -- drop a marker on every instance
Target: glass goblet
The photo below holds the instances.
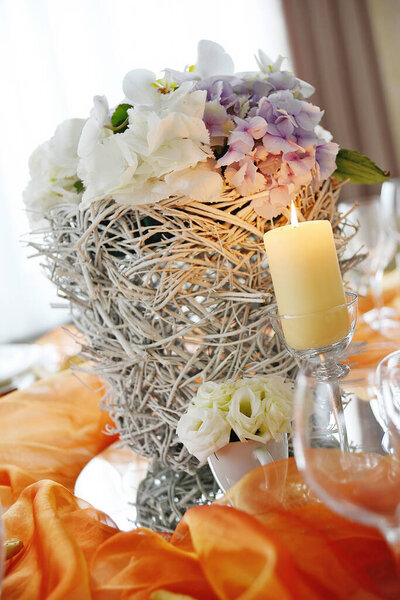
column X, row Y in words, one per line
column 325, row 361
column 335, row 326
column 390, row 200
column 388, row 381
column 362, row 482
column 372, row 237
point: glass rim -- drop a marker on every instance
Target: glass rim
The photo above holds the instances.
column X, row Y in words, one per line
column 351, row 299
column 384, row 363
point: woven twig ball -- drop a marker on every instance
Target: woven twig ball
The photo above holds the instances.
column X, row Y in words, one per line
column 168, row 296
column 164, row 496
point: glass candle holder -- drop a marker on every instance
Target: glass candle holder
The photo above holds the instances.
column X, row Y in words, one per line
column 331, row 331
column 335, row 327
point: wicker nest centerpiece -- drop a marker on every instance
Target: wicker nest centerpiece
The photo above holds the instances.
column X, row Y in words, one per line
column 151, row 217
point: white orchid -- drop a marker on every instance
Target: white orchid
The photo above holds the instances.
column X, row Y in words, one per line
column 266, row 64
column 94, row 128
column 212, row 60
column 142, row 88
column 53, row 170
column 301, row 90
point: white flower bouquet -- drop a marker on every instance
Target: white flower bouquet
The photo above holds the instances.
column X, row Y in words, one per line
column 253, row 408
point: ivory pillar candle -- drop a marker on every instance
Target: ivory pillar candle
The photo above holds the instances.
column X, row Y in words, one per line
column 307, row 282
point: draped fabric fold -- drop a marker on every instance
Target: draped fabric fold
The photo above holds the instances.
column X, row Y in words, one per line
column 73, row 551
column 53, row 428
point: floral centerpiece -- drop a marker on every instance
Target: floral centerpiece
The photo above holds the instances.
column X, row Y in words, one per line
column 150, row 216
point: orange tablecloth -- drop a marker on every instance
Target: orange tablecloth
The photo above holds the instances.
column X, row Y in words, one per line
column 276, row 545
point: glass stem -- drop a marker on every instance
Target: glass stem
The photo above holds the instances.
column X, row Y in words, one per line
column 398, row 273
column 377, row 290
column 338, row 412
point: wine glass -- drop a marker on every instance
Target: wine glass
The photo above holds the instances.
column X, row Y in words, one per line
column 390, row 200
column 372, row 237
column 361, row 482
column 388, row 381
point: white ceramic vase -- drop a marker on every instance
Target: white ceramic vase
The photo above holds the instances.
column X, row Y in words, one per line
column 233, row 461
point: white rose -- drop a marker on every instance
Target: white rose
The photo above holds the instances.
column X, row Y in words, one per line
column 277, row 418
column 256, row 383
column 246, row 413
column 266, row 405
column 217, row 395
column 278, row 406
column 276, row 387
column 203, row 431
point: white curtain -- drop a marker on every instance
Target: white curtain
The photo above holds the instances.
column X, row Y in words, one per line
column 56, row 55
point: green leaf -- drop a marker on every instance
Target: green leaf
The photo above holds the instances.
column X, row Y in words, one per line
column 78, row 185
column 120, row 115
column 358, row 168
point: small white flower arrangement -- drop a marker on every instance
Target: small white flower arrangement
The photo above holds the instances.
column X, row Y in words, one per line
column 253, row 408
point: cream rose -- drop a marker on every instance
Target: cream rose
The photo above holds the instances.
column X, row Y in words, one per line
column 203, row 431
column 245, row 413
column 217, row 395
column 256, row 408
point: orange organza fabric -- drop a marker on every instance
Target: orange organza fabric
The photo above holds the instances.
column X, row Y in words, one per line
column 284, row 547
column 269, row 538
column 52, row 429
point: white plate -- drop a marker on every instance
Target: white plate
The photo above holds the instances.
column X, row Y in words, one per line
column 17, row 358
column 109, row 482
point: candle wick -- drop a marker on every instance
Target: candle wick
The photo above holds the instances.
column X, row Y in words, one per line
column 293, row 215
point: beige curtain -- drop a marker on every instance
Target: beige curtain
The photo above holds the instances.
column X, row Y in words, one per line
column 333, row 48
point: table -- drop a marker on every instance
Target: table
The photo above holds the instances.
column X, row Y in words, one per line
column 281, row 545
